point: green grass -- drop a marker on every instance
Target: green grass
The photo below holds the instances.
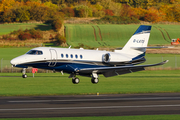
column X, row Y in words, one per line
column 174, row 60
column 142, row 117
column 57, row 84
column 114, row 35
column 7, row 28
column 10, row 53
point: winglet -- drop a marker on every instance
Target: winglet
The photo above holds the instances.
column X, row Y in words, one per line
column 164, row 62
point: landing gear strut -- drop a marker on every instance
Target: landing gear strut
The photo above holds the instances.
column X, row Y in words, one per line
column 24, row 73
column 94, row 78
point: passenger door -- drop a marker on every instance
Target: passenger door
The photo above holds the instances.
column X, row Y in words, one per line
column 53, row 56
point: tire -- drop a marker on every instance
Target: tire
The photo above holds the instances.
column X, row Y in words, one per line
column 24, row 76
column 94, row 80
column 75, row 80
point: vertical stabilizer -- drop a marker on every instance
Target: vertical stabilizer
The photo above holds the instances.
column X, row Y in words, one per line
column 138, row 42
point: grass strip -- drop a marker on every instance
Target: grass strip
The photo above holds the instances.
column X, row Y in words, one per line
column 56, row 84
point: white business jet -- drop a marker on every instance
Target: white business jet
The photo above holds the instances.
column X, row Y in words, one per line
column 90, row 63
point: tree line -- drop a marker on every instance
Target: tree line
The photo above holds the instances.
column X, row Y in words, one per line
column 54, row 11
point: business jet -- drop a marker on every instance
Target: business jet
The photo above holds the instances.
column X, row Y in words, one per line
column 90, row 63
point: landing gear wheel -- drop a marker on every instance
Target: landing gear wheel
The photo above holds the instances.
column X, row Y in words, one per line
column 75, row 80
column 24, row 76
column 94, row 80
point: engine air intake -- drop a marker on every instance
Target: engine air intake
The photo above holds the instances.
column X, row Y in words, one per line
column 106, row 57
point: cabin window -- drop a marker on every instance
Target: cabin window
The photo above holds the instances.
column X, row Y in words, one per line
column 76, row 56
column 35, row 52
column 81, row 56
column 71, row 56
column 62, row 55
column 66, row 55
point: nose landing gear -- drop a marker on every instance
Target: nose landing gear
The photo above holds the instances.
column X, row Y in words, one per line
column 24, row 73
column 24, row 76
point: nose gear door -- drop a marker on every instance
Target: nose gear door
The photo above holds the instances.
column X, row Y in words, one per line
column 54, row 56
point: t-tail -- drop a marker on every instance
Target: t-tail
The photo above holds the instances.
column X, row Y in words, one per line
column 137, row 44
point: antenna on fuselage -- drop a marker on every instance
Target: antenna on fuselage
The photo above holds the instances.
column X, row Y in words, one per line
column 69, row 47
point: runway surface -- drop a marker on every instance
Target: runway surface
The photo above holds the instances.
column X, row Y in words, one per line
column 89, row 105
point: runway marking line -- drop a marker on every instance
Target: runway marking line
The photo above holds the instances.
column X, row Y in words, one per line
column 101, row 107
column 102, row 99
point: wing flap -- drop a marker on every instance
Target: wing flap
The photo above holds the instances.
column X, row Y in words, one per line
column 137, row 69
column 110, row 73
column 120, row 72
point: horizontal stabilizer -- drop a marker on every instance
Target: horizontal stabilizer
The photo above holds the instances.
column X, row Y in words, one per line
column 153, row 47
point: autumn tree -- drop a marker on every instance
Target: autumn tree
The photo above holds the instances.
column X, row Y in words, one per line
column 68, row 12
column 51, row 5
column 8, row 16
column 6, row 4
column 38, row 13
column 173, row 13
column 154, row 15
column 127, row 11
column 140, row 12
column 83, row 11
column 22, row 14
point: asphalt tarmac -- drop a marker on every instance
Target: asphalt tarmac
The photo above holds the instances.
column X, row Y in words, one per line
column 89, row 105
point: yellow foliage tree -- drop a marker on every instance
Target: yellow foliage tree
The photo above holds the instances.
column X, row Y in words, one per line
column 6, row 4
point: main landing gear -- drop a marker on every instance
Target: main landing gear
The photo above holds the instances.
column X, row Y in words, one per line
column 24, row 73
column 75, row 80
column 94, row 78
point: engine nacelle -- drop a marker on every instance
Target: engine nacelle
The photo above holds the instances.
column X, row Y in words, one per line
column 106, row 58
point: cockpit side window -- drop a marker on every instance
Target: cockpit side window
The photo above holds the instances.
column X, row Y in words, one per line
column 35, row 52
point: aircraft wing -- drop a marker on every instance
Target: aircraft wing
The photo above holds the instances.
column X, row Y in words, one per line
column 119, row 70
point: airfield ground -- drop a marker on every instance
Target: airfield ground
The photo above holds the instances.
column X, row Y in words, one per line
column 158, row 81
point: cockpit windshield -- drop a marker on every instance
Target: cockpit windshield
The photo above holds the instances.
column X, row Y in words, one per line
column 35, row 52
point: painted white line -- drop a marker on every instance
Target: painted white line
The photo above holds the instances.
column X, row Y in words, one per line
column 106, row 99
column 101, row 107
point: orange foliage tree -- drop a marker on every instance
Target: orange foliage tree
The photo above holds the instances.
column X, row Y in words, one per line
column 140, row 12
column 172, row 12
column 154, row 15
column 127, row 11
column 168, row 10
column 176, row 12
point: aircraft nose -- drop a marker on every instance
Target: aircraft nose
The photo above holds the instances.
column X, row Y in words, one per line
column 14, row 61
column 18, row 60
